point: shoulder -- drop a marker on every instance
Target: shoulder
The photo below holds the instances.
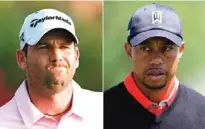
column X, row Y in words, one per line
column 86, row 94
column 190, row 104
column 9, row 107
column 115, row 92
column 91, row 105
column 92, row 101
column 115, row 97
column 9, row 112
column 115, row 89
column 191, row 99
column 191, row 94
column 92, row 96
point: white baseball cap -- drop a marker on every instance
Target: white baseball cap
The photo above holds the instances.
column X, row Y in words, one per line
column 39, row 23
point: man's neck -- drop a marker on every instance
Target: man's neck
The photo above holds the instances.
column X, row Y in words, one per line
column 52, row 105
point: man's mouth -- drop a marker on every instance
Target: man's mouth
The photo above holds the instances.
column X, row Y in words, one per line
column 156, row 74
column 57, row 69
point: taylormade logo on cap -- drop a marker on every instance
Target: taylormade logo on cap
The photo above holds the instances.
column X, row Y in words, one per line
column 22, row 37
column 37, row 24
column 34, row 22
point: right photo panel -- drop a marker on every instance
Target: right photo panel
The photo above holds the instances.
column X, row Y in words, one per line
column 154, row 65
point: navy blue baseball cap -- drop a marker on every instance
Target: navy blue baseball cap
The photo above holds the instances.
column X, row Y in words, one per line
column 152, row 21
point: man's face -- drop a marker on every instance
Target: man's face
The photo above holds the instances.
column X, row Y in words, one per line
column 52, row 62
column 154, row 61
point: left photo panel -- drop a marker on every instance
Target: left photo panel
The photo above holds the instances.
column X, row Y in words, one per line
column 51, row 65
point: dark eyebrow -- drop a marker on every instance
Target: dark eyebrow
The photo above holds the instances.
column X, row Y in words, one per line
column 144, row 43
column 49, row 43
column 67, row 43
column 169, row 42
column 42, row 43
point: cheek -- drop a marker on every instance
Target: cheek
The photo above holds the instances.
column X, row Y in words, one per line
column 172, row 62
column 35, row 68
column 139, row 61
column 37, row 64
column 71, row 59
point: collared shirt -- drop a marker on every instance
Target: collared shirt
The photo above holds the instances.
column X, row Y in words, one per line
column 155, row 108
column 86, row 112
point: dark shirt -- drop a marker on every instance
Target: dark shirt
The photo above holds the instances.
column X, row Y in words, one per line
column 122, row 111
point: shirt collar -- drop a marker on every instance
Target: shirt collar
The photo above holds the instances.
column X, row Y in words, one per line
column 142, row 99
column 31, row 114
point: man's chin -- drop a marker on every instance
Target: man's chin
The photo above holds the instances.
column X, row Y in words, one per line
column 56, row 87
column 155, row 86
column 54, row 81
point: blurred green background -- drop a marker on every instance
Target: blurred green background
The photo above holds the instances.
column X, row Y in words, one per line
column 191, row 70
column 87, row 17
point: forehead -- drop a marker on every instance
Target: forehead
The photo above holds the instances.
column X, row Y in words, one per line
column 57, row 34
column 157, row 41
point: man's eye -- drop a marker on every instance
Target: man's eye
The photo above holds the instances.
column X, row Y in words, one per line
column 42, row 47
column 166, row 48
column 65, row 47
column 145, row 48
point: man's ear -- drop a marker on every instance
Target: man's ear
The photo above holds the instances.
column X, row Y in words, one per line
column 181, row 50
column 128, row 49
column 21, row 59
column 77, row 53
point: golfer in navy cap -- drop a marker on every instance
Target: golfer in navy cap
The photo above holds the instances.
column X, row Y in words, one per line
column 151, row 96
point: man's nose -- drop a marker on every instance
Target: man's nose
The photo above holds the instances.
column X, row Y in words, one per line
column 56, row 55
column 156, row 59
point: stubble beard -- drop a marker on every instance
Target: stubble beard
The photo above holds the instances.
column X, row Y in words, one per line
column 155, row 86
column 56, row 83
column 151, row 87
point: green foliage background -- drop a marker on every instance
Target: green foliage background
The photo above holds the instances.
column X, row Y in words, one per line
column 94, row 73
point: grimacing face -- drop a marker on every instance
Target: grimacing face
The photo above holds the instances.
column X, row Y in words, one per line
column 155, row 61
column 52, row 62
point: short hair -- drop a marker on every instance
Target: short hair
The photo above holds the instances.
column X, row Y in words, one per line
column 25, row 49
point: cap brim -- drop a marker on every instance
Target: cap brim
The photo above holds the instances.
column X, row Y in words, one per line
column 35, row 39
column 139, row 38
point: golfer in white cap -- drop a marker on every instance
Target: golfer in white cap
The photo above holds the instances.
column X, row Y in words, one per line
column 49, row 98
